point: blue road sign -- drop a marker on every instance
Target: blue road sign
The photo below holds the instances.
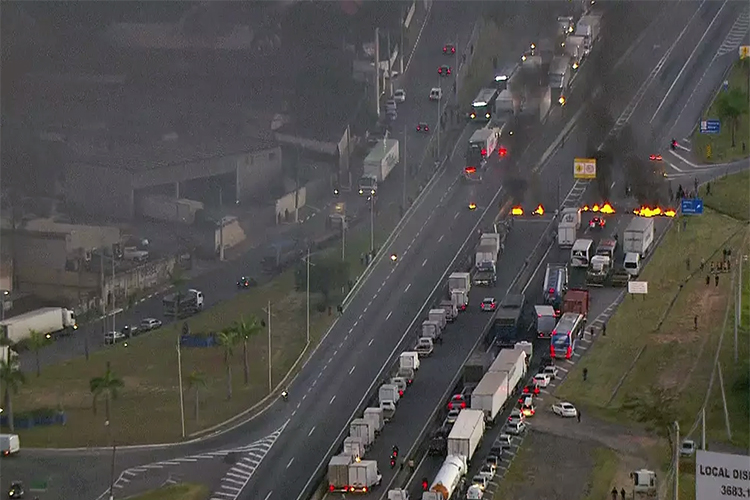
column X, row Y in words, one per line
column 710, row 126
column 692, row 206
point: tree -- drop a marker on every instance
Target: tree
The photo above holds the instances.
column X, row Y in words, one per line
column 37, row 340
column 108, row 385
column 196, row 381
column 730, row 106
column 12, row 378
column 246, row 330
column 227, row 341
column 326, row 276
column 177, row 279
column 654, row 407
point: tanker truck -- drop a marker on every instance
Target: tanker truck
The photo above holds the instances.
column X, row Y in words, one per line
column 447, row 479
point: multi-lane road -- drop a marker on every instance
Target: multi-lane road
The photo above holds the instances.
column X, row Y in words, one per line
column 385, row 310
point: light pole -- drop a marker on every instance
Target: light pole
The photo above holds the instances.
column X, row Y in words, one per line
column 403, row 185
column 270, row 353
column 5, row 293
column 112, row 467
column 182, row 395
column 307, row 261
column 372, row 223
column 437, row 125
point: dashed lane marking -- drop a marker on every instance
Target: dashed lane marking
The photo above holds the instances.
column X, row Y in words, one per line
column 389, row 315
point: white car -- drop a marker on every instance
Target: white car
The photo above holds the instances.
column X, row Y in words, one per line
column 453, row 415
column 150, row 324
column 542, row 379
column 113, row 337
column 399, row 95
column 436, row 93
column 515, row 428
column 552, row 371
column 564, row 409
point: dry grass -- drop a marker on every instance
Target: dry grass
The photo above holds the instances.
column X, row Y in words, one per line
column 147, row 410
column 677, row 356
column 182, row 491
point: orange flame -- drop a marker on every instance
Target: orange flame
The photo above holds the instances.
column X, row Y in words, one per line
column 539, row 210
column 516, row 211
column 654, row 212
column 607, row 209
column 585, row 208
column 595, row 208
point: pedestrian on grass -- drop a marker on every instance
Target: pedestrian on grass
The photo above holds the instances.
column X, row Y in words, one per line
column 586, row 371
column 687, row 263
column 614, row 493
column 703, row 263
column 708, row 279
column 604, row 329
column 622, row 493
column 717, row 279
column 695, row 322
column 578, row 416
column 708, row 188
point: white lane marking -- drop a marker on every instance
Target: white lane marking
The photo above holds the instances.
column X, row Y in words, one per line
column 456, row 216
column 352, row 369
column 333, row 398
column 389, row 315
column 370, row 342
column 424, row 262
column 697, row 45
column 407, row 288
column 269, row 495
column 441, row 238
column 311, row 431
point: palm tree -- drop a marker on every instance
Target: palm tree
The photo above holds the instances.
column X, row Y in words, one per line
column 37, row 340
column 246, row 330
column 13, row 378
column 5, row 342
column 177, row 279
column 228, row 340
column 196, row 381
column 108, row 385
column 731, row 106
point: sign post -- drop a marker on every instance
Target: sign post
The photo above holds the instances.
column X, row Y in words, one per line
column 710, row 126
column 584, row 168
column 638, row 288
column 744, row 51
column 692, row 206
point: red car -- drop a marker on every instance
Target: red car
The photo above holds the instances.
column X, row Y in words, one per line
column 597, row 223
column 531, row 389
column 444, row 70
column 457, row 401
column 655, row 157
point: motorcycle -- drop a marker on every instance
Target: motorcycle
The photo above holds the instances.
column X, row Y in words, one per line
column 284, row 395
column 16, row 490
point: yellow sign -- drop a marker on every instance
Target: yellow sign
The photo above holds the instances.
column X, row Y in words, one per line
column 708, row 151
column 744, row 51
column 584, row 168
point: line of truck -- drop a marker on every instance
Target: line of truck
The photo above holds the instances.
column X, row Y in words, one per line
column 52, row 322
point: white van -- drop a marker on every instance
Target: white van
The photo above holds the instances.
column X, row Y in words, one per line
column 9, row 444
column 632, row 264
column 580, row 254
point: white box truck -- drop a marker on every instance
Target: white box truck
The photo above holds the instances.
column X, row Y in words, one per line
column 363, row 476
column 438, row 316
column 491, row 394
column 460, row 298
column 375, row 417
column 354, row 447
column 388, row 392
column 459, row 281
column 588, row 28
column 466, row 433
column 513, row 362
column 378, row 164
column 410, row 360
column 638, row 236
column 362, row 429
column 431, row 330
column 574, row 47
column 9, row 444
column 447, row 479
column 338, row 472
column 567, row 227
column 50, row 321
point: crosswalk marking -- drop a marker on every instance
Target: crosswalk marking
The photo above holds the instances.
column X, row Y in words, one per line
column 735, row 36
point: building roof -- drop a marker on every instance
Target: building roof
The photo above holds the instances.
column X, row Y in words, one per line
column 171, row 150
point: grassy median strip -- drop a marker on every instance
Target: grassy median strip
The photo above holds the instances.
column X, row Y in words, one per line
column 731, row 107
column 674, row 361
column 184, row 491
column 729, row 195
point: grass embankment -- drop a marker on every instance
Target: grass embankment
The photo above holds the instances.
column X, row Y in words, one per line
column 183, row 491
column 147, row 408
column 676, row 359
column 721, row 143
column 730, row 195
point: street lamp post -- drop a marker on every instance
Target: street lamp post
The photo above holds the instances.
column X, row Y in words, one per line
column 182, row 394
column 308, row 297
column 403, row 184
column 372, row 223
column 437, row 125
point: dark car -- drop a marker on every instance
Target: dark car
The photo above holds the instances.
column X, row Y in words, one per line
column 444, row 70
column 423, row 127
column 16, row 490
column 597, row 223
column 245, row 282
column 449, row 48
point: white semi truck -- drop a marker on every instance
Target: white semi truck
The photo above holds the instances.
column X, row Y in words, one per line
column 378, row 165
column 491, row 394
column 49, row 321
column 588, row 28
column 363, row 475
column 466, row 434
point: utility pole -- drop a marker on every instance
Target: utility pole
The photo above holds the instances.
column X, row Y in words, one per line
column 182, row 394
column 372, row 223
column 437, row 125
column 738, row 314
column 401, row 48
column 308, row 297
column 724, row 400
column 114, row 311
column 343, row 238
column 676, row 485
column 703, row 428
column 377, row 72
column 270, row 354
column 390, row 70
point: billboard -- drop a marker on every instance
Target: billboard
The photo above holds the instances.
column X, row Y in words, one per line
column 721, row 476
column 584, row 168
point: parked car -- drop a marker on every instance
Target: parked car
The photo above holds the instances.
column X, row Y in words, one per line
column 111, row 338
column 564, row 409
column 551, row 370
column 542, row 380
column 399, row 95
column 148, row 324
